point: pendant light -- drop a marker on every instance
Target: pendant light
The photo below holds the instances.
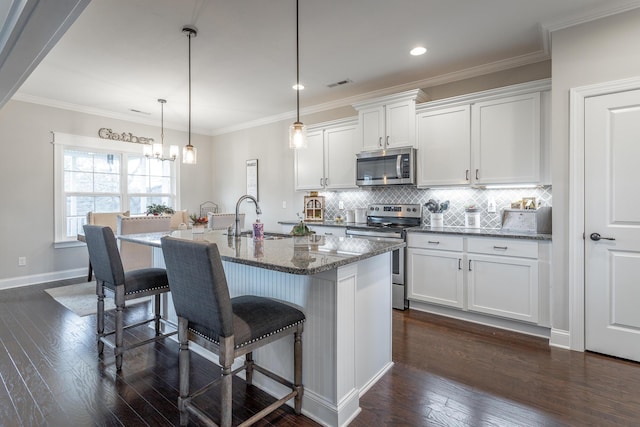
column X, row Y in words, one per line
column 189, row 152
column 156, row 151
column 297, row 131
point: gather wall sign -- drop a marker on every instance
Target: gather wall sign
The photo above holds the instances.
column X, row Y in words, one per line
column 106, row 133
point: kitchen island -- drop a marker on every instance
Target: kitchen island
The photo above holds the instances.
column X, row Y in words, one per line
column 343, row 285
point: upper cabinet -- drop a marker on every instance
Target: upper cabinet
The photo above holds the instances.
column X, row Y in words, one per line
column 505, row 140
column 444, row 146
column 388, row 122
column 494, row 137
column 329, row 161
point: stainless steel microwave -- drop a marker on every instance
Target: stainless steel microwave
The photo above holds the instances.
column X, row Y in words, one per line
column 386, row 167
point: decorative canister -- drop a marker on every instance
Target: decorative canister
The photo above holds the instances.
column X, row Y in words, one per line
column 472, row 218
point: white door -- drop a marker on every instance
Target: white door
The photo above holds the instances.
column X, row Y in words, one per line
column 612, row 212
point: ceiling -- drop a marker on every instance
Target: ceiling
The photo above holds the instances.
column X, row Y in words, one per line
column 120, row 56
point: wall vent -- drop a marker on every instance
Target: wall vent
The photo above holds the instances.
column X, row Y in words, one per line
column 340, row 83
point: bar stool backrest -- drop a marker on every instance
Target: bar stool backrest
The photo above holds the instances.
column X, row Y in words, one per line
column 198, row 285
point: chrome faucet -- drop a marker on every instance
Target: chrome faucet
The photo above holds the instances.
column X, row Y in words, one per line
column 236, row 232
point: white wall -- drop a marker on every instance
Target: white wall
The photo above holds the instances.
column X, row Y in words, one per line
column 26, row 173
column 595, row 52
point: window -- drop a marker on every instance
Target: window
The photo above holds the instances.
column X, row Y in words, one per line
column 105, row 176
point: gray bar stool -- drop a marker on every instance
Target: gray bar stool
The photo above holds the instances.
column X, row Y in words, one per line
column 230, row 327
column 109, row 273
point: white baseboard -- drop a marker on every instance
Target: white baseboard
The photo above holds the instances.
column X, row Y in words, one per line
column 560, row 339
column 35, row 279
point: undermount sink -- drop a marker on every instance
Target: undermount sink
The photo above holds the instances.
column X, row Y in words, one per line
column 268, row 236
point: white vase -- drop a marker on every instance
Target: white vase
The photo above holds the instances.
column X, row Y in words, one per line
column 437, row 220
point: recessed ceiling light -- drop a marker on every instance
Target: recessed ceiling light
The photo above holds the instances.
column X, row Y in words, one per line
column 298, row 87
column 417, row 51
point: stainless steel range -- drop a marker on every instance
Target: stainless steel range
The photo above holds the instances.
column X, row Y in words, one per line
column 388, row 222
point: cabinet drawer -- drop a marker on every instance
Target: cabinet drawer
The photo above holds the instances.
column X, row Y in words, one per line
column 504, row 247
column 435, row 241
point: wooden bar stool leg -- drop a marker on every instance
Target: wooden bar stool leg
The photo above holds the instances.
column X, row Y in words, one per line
column 297, row 369
column 248, row 368
column 183, row 366
column 100, row 315
column 157, row 316
column 119, row 300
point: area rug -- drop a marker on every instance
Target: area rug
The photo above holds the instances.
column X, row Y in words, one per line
column 81, row 298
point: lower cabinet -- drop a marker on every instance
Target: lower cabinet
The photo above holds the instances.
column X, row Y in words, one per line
column 503, row 286
column 492, row 276
column 436, row 277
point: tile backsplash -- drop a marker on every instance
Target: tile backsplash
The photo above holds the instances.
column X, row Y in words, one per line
column 458, row 198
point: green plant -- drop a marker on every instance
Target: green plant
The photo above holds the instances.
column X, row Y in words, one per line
column 159, row 209
column 198, row 220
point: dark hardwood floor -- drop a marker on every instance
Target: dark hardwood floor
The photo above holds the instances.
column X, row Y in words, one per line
column 446, row 373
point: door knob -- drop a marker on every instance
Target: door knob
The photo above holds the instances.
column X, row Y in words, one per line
column 596, row 236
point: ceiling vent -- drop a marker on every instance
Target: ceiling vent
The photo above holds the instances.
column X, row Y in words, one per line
column 340, row 83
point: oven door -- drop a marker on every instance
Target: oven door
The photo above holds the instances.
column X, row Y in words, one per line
column 397, row 256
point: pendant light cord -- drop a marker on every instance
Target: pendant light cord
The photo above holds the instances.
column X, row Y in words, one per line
column 297, row 65
column 189, row 140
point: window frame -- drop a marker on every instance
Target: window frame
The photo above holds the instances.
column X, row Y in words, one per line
column 62, row 142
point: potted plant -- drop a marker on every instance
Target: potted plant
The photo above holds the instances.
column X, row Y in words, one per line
column 159, row 209
column 199, row 223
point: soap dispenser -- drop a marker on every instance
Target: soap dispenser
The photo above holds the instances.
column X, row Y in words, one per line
column 258, row 230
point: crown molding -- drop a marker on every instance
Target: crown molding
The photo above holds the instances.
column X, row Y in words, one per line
column 479, row 70
column 547, row 28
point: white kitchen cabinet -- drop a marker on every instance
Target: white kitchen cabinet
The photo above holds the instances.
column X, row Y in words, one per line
column 388, row 122
column 503, row 286
column 491, row 137
column 309, row 162
column 329, row 160
column 444, row 146
column 435, row 269
column 435, row 276
column 505, row 140
column 495, row 276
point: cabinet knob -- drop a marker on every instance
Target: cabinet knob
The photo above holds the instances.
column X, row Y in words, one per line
column 477, row 174
column 387, row 140
column 466, row 175
column 380, row 142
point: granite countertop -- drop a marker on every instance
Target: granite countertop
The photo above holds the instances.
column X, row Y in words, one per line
column 306, row 256
column 483, row 232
